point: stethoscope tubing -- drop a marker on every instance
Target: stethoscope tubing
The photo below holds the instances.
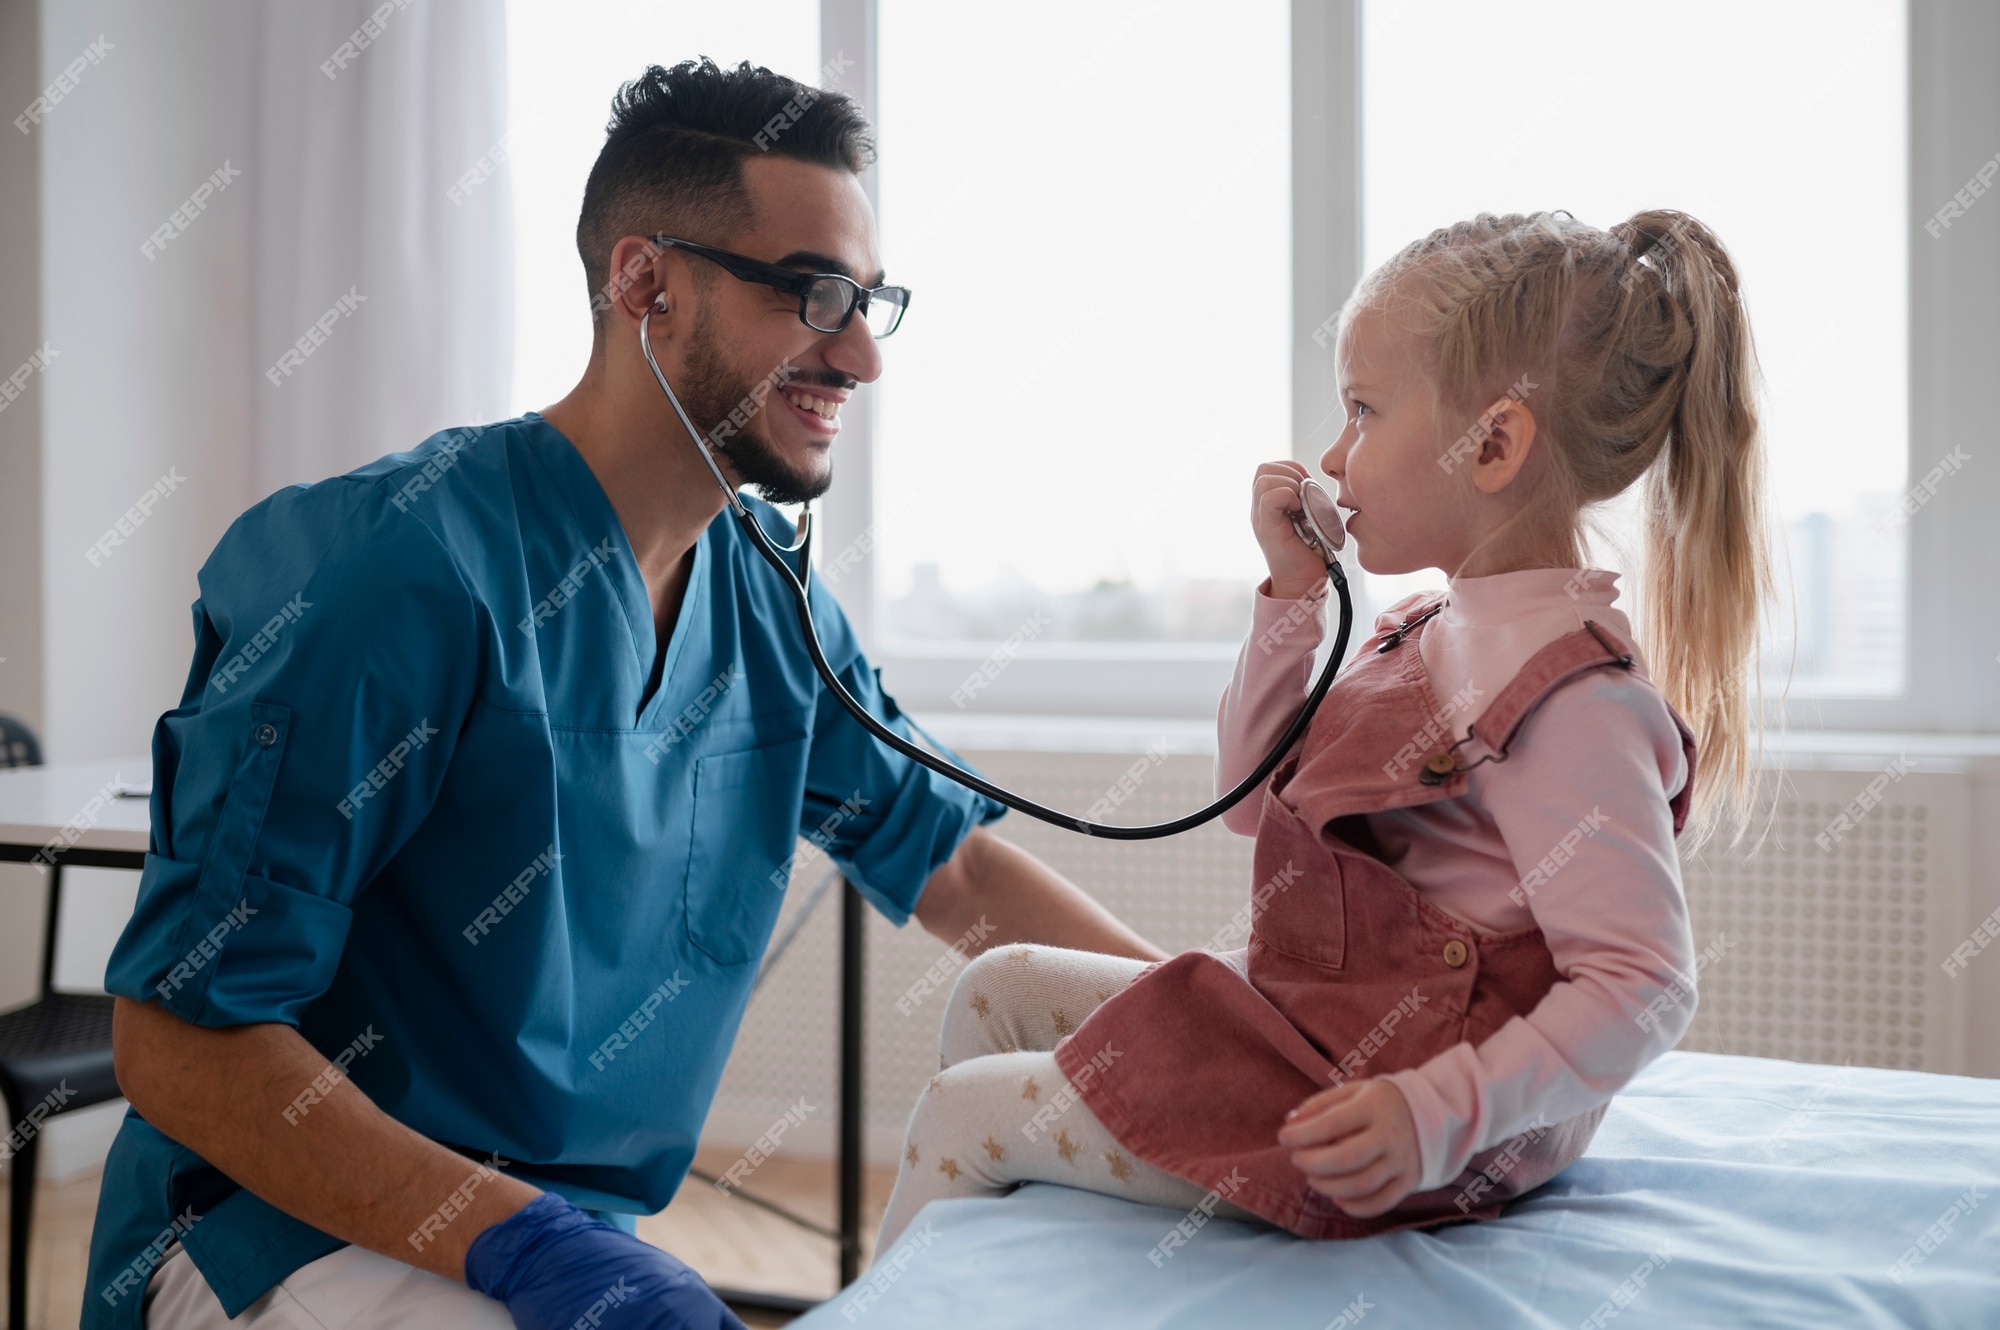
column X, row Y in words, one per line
column 800, row 583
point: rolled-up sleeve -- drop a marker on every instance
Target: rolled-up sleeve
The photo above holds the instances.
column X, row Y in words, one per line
column 888, row 821
column 335, row 660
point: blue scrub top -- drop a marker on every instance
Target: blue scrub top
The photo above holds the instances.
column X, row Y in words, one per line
column 415, row 803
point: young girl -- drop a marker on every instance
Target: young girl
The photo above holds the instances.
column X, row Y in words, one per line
column 1468, row 926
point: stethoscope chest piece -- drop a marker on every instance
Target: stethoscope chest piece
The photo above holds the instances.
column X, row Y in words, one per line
column 1318, row 520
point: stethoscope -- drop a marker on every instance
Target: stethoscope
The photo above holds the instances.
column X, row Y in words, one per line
column 1317, row 523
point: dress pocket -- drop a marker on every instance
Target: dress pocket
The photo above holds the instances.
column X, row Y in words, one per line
column 1298, row 906
column 746, row 823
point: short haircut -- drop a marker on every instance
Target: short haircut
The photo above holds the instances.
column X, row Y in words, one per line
column 673, row 154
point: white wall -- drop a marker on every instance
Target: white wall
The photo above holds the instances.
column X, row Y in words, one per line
column 20, row 464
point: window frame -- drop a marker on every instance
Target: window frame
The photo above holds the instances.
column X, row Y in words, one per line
column 1951, row 651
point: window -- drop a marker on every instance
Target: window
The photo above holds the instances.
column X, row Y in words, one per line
column 1098, row 217
column 1781, row 127
column 1097, row 353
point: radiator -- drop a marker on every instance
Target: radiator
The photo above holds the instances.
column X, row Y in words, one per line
column 1831, row 935
column 1815, row 952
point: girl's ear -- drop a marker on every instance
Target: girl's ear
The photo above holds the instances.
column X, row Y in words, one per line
column 1503, row 451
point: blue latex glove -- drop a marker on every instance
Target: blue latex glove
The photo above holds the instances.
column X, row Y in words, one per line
column 556, row 1267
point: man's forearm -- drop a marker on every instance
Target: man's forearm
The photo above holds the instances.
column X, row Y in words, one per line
column 339, row 1163
column 994, row 892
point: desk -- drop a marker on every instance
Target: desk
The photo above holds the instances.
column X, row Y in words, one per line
column 66, row 805
column 62, row 815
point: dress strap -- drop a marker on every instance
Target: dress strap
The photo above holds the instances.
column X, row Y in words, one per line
column 1591, row 647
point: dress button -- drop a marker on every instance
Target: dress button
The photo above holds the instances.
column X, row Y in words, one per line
column 1454, row 953
column 1437, row 769
column 267, row 734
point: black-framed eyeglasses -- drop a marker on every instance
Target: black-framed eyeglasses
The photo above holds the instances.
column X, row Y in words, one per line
column 827, row 300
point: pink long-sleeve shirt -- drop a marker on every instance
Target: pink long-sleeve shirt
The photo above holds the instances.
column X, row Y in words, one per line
column 1582, row 797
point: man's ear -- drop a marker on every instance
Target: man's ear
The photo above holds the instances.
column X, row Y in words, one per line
column 640, row 280
column 1506, row 433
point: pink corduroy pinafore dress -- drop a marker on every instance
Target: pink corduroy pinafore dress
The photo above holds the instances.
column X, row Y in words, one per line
column 1207, row 1062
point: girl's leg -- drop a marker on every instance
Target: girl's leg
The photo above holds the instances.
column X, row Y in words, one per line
column 974, row 1132
column 1026, row 997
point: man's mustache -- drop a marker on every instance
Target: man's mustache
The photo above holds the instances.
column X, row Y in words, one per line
column 821, row 378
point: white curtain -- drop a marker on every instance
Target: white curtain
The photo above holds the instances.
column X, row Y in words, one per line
column 167, row 317
column 381, row 182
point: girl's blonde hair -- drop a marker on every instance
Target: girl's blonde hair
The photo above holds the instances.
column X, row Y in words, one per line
column 1638, row 348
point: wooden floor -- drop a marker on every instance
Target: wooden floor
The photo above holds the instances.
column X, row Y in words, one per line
column 731, row 1243
column 60, row 1249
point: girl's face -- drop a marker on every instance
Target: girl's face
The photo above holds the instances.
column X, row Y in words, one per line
column 1408, row 511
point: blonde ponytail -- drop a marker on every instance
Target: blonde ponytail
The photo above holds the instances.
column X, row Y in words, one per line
column 1708, row 568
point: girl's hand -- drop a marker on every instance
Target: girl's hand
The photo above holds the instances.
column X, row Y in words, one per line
column 1297, row 570
column 1357, row 1144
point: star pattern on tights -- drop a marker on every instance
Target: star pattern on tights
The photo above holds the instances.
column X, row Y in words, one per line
column 1021, row 953
column 1030, row 1090
column 979, row 1005
column 994, row 1150
column 1066, row 1147
column 1121, row 1167
column 949, row 1167
column 911, row 1154
column 1063, row 1023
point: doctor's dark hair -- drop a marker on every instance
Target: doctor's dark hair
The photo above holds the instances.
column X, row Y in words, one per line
column 1634, row 345
column 672, row 161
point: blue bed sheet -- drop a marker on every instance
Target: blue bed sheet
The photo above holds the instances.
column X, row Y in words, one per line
column 1719, row 1191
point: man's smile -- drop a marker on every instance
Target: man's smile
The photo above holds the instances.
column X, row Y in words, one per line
column 817, row 408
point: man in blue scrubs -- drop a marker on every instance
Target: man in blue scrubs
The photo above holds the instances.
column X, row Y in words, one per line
column 476, row 815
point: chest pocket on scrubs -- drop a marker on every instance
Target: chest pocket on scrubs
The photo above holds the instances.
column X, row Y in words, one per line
column 746, row 824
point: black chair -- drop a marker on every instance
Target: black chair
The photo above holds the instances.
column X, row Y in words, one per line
column 54, row 1051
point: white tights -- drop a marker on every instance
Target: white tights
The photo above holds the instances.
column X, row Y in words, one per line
column 1000, row 1113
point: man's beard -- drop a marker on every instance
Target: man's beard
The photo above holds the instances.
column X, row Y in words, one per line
column 712, row 389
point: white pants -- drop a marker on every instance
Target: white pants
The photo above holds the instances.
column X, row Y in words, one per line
column 351, row 1289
